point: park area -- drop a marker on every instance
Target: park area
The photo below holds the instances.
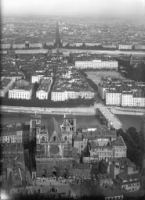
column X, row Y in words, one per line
column 96, row 76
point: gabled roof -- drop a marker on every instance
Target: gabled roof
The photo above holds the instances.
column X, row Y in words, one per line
column 66, row 123
column 54, row 129
column 119, row 142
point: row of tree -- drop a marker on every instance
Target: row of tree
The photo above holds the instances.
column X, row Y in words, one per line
column 135, row 144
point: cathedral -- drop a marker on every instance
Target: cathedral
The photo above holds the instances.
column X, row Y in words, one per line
column 55, row 141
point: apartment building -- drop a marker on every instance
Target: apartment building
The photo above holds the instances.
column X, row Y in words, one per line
column 114, row 149
column 124, row 93
column 20, row 90
column 125, row 47
column 66, row 95
column 113, row 98
column 44, row 88
column 36, row 45
column 129, row 183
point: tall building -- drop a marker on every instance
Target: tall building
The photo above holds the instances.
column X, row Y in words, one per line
column 57, row 37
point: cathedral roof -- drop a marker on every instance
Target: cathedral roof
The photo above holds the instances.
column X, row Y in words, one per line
column 54, row 129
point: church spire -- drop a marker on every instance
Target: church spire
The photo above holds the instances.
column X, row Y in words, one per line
column 57, row 37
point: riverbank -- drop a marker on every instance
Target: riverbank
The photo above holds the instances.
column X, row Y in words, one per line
column 84, row 111
column 127, row 111
column 51, row 111
column 84, row 121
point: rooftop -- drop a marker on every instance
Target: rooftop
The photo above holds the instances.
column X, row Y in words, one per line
column 4, row 82
column 118, row 142
column 45, row 84
column 22, row 85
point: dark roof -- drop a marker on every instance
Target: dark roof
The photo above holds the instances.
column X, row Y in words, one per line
column 129, row 177
column 118, row 142
column 52, row 127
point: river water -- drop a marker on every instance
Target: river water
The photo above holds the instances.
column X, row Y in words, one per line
column 82, row 121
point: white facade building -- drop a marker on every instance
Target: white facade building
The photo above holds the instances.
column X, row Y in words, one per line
column 36, row 45
column 18, row 46
column 96, row 64
column 125, row 47
column 20, row 94
column 21, row 90
column 139, row 101
column 36, row 78
column 127, row 99
column 124, row 99
column 113, row 98
column 15, row 137
column 66, row 95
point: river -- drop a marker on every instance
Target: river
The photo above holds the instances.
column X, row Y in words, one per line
column 82, row 121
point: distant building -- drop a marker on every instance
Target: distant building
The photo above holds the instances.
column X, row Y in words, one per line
column 57, row 37
column 125, row 47
column 109, row 46
column 97, row 64
column 18, row 46
column 36, row 78
column 5, row 46
column 31, row 51
column 49, row 44
column 139, row 47
column 89, row 44
column 35, row 45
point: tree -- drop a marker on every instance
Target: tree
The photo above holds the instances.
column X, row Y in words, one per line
column 134, row 135
column 134, row 145
column 102, row 167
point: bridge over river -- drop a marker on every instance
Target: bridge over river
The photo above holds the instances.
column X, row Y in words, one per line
column 111, row 119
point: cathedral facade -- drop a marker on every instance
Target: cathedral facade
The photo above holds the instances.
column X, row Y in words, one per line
column 56, row 140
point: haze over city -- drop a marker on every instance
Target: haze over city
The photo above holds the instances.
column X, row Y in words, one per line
column 73, row 7
column 72, row 93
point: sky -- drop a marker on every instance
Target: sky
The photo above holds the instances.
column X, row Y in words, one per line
column 73, row 7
